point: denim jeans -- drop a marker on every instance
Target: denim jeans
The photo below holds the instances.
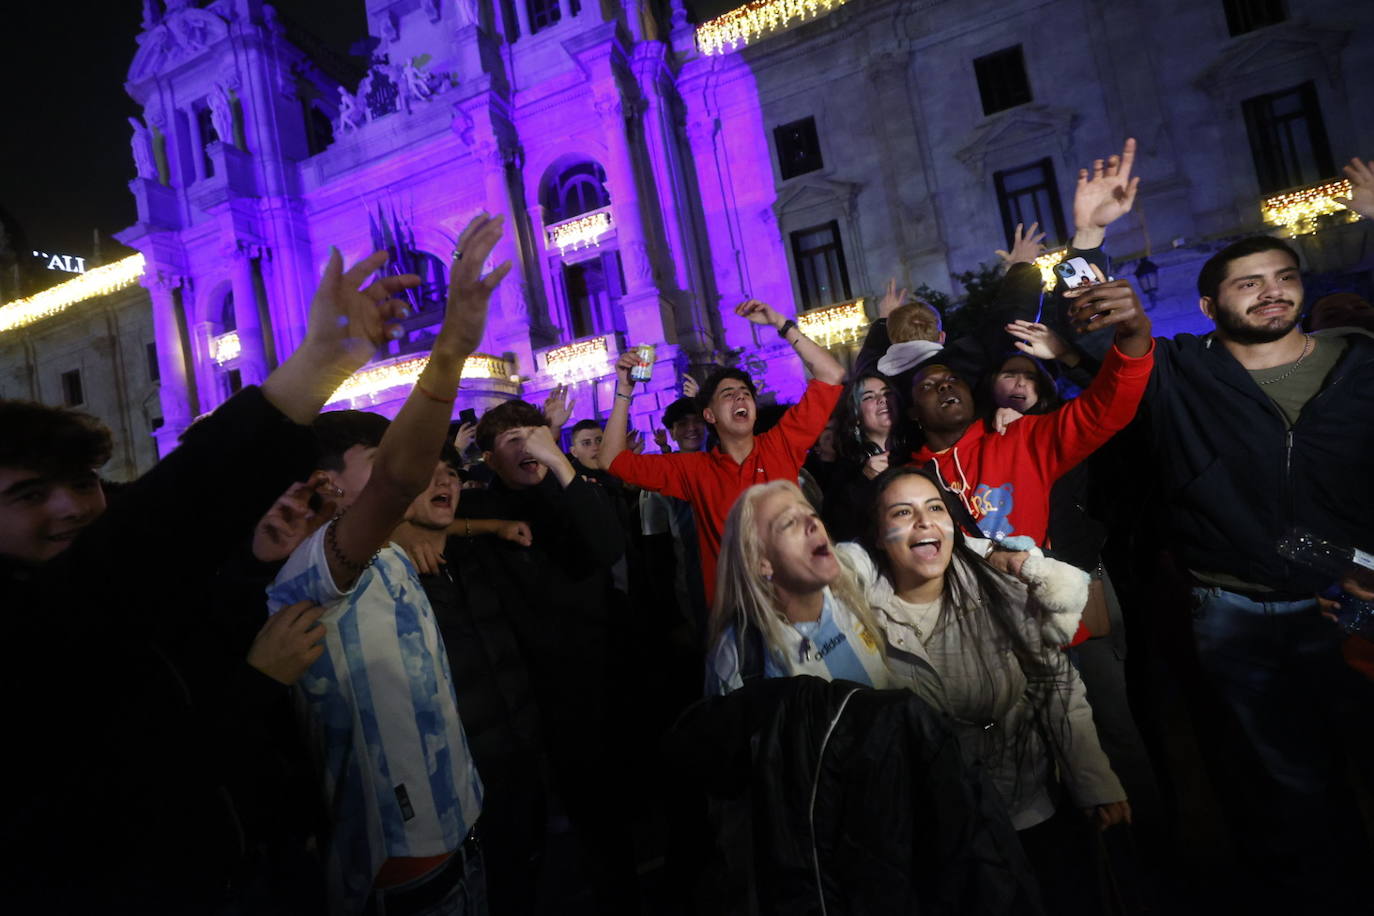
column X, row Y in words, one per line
column 466, row 897
column 1288, row 705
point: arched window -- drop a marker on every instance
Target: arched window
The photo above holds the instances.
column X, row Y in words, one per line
column 576, row 190
column 227, row 321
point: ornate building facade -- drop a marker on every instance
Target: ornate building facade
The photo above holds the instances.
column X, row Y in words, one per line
column 657, row 171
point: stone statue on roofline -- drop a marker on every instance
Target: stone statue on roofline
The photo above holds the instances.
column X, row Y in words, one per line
column 145, row 162
column 417, row 83
column 221, row 114
column 348, row 111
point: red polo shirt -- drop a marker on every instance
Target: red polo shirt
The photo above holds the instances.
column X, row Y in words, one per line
column 712, row 481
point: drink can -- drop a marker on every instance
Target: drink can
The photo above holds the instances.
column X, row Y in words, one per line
column 644, row 363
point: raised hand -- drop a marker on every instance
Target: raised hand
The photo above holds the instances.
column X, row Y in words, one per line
column 759, row 313
column 1113, row 304
column 690, row 387
column 634, row 441
column 894, row 297
column 289, row 642
column 467, row 434
column 1110, row 814
column 623, row 365
column 1025, row 247
column 543, row 447
column 347, row 324
column 558, row 406
column 469, row 291
column 1104, row 197
column 1036, row 339
column 291, row 520
column 1361, row 198
column 661, row 440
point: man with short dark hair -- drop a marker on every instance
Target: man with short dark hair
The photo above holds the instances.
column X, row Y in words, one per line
column 50, row 458
column 585, row 444
column 1256, row 429
column 711, row 481
column 563, row 606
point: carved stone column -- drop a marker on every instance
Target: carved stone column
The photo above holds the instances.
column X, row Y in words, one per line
column 176, row 383
column 509, row 333
column 641, row 303
column 252, row 362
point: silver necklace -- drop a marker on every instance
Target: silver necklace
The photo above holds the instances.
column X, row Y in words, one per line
column 1306, row 348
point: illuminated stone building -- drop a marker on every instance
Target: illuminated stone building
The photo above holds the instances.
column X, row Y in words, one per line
column 657, row 172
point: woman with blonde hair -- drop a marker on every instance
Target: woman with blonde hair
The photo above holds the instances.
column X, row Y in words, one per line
column 786, row 603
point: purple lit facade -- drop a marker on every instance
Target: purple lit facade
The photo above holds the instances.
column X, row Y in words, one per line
column 681, row 169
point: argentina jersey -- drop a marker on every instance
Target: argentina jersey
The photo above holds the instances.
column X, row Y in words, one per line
column 382, row 717
column 834, row 647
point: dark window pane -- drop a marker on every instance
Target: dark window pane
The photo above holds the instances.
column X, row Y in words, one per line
column 799, row 148
column 1288, row 139
column 578, row 189
column 1247, row 15
column 319, row 132
column 1030, row 195
column 821, row 272
column 73, row 394
column 235, row 380
column 227, row 321
column 543, row 13
column 1002, row 82
column 154, row 373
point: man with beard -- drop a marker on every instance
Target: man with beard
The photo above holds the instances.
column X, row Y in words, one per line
column 1256, row 429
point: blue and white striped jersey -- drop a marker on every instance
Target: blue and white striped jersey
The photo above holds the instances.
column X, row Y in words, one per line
column 382, row 715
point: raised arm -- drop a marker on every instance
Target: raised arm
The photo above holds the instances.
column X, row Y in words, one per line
column 816, row 358
column 404, row 463
column 613, row 436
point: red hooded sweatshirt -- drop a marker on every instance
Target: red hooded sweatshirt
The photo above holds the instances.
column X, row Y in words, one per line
column 1005, row 481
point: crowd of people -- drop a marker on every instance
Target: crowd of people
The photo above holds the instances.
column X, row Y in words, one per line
column 864, row 653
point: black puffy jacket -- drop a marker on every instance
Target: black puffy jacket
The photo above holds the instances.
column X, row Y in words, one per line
column 861, row 802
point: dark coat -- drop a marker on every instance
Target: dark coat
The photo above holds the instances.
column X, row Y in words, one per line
column 111, row 737
column 1234, row 479
column 858, row 795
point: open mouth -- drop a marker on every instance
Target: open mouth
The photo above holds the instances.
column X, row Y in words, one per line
column 926, row 548
column 1017, row 398
column 441, row 499
column 741, row 413
column 821, row 550
column 529, row 464
column 1272, row 308
column 950, row 401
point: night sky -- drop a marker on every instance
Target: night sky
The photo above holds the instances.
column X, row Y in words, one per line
column 65, row 163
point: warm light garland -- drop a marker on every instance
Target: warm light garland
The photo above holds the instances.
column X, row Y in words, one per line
column 1046, row 264
column 98, row 281
column 405, row 372
column 1298, row 211
column 581, row 359
column 755, row 20
column 835, row 324
column 580, row 232
column 225, row 347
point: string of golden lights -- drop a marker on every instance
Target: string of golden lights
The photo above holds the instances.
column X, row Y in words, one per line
column 580, row 232
column 98, row 281
column 406, row 371
column 1299, row 211
column 834, row 324
column 731, row 31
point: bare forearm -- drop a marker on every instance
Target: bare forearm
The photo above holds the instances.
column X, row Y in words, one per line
column 613, row 436
column 1089, row 238
column 302, row 385
column 816, row 358
column 413, row 441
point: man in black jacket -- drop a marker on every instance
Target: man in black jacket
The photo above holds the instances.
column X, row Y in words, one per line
column 1255, row 429
column 565, row 612
column 116, row 812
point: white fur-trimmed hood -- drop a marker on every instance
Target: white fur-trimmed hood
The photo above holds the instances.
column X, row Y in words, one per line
column 1061, row 590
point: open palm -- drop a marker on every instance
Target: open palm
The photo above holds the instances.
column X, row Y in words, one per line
column 1108, row 193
